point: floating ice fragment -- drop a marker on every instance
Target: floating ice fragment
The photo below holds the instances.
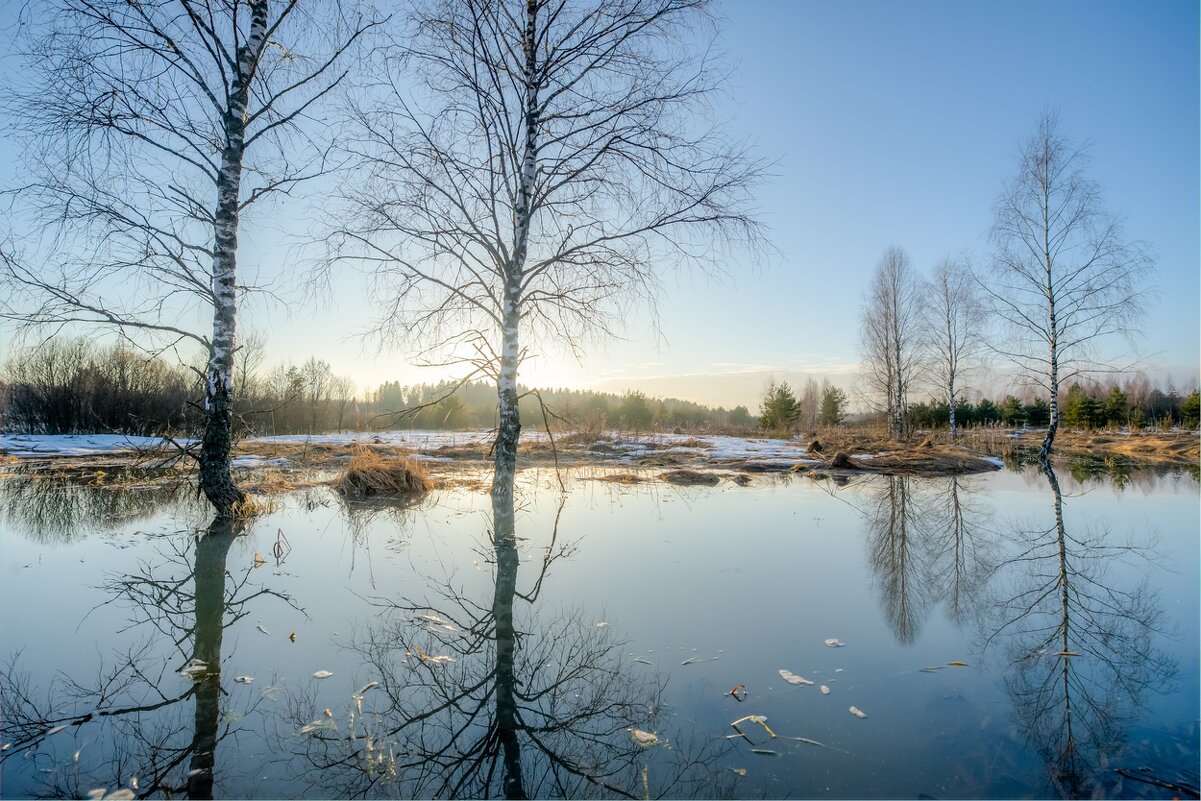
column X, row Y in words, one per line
column 194, row 668
column 322, row 674
column 825, row 690
column 643, row 738
column 243, row 679
column 262, row 628
column 834, row 643
column 324, row 723
column 793, row 678
column 857, row 712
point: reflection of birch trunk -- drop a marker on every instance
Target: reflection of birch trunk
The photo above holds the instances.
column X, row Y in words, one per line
column 188, row 600
column 1081, row 647
column 507, row 718
column 963, row 559
column 474, row 703
column 211, row 552
column 896, row 538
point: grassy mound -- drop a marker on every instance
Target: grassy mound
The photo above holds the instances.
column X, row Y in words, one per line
column 690, row 478
column 368, row 474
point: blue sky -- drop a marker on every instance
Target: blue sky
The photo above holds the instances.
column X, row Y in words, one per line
column 890, row 124
column 898, row 123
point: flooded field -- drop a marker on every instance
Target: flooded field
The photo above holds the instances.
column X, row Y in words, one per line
column 1012, row 634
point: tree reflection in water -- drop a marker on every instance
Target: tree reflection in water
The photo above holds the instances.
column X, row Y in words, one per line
column 1080, row 645
column 129, row 725
column 477, row 700
column 62, row 507
column 926, row 542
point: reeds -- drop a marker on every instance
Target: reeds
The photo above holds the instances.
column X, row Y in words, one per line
column 368, row 474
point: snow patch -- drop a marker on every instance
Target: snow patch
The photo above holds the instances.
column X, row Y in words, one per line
column 30, row 446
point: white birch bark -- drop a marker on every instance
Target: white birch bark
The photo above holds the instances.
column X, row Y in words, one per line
column 215, row 478
column 509, row 411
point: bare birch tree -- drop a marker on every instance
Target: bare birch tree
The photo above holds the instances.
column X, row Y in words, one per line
column 890, row 338
column 1065, row 280
column 954, row 329
column 151, row 128
column 559, row 165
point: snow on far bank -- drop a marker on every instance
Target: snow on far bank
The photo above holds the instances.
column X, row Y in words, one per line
column 417, row 439
column 611, row 445
column 712, row 446
column 30, row 446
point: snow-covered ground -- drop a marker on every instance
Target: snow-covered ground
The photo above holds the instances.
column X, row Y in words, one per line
column 611, row 446
column 418, row 440
column 41, row 445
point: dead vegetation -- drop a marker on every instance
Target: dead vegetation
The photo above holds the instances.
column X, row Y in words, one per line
column 381, row 469
column 621, row 478
column 690, row 478
column 371, row 474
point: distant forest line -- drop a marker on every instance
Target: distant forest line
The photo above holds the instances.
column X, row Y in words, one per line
column 67, row 386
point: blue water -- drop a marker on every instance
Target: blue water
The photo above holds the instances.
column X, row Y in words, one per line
column 520, row 667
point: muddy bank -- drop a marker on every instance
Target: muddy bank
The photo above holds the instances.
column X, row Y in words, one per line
column 269, row 466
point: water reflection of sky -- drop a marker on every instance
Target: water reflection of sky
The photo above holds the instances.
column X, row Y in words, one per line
column 701, row 589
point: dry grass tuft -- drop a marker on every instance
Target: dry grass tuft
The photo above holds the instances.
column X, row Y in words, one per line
column 369, row 474
column 621, row 478
column 250, row 507
column 690, row 478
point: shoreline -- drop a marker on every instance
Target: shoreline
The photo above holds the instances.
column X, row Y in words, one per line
column 277, row 464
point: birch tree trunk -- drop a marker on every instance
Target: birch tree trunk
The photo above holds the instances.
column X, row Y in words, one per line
column 509, row 430
column 215, row 479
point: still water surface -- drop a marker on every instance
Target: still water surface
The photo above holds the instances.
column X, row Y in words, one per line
column 1008, row 635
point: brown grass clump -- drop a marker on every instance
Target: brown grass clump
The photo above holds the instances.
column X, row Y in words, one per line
column 621, row 478
column 369, row 474
column 689, row 478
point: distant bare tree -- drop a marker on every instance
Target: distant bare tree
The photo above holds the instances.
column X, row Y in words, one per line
column 954, row 324
column 555, row 166
column 809, row 404
column 342, row 392
column 318, row 383
column 252, row 352
column 890, row 338
column 1064, row 278
column 151, row 127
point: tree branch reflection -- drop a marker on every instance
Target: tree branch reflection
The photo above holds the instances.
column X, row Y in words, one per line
column 926, row 541
column 129, row 725
column 1080, row 644
column 485, row 698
